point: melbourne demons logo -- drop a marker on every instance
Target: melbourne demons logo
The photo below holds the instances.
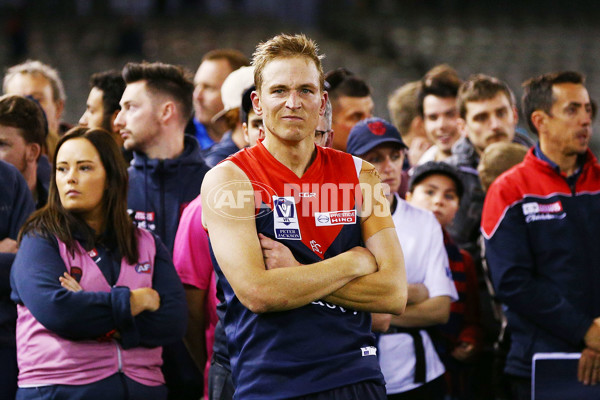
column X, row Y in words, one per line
column 143, row 268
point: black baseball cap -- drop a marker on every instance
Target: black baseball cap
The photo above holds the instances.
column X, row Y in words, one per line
column 422, row 171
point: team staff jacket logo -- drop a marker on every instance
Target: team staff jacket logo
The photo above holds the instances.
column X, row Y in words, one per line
column 532, row 193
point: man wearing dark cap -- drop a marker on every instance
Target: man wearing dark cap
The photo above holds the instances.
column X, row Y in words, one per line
column 408, row 359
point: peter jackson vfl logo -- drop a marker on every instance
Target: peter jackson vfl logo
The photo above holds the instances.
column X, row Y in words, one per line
column 286, row 218
column 534, row 211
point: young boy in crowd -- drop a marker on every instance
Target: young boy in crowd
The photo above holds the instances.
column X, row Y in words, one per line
column 436, row 186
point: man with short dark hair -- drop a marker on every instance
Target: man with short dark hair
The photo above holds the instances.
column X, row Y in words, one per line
column 351, row 102
column 22, row 137
column 487, row 114
column 102, row 106
column 436, row 103
column 165, row 175
column 541, row 221
column 402, row 106
column 252, row 124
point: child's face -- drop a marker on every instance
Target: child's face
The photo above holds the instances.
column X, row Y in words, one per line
column 436, row 193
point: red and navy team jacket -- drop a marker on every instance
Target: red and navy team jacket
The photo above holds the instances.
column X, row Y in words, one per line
column 541, row 233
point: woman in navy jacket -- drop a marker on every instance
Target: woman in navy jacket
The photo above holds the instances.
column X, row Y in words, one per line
column 96, row 296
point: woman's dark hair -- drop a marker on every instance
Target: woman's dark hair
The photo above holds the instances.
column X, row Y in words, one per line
column 54, row 220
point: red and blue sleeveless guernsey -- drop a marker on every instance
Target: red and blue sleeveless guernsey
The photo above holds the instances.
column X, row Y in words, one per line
column 319, row 346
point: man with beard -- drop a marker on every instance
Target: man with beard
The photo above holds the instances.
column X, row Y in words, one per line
column 102, row 105
column 487, row 114
column 541, row 221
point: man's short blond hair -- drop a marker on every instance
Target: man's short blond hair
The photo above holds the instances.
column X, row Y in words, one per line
column 285, row 46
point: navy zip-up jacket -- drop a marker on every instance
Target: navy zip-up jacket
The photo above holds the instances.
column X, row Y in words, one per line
column 159, row 190
column 16, row 203
column 541, row 231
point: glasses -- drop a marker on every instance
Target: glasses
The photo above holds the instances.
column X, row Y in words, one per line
column 320, row 134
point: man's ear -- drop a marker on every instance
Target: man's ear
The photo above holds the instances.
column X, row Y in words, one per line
column 167, row 111
column 33, row 152
column 60, row 107
column 516, row 114
column 112, row 121
column 324, row 98
column 256, row 103
column 539, row 119
column 461, row 124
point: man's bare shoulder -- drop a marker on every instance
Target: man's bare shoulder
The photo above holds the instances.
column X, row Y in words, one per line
column 368, row 174
column 224, row 172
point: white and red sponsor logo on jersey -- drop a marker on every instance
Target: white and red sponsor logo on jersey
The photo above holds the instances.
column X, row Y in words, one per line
column 347, row 217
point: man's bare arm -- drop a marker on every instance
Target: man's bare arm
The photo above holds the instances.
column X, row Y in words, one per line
column 195, row 337
column 433, row 311
column 384, row 291
column 229, row 216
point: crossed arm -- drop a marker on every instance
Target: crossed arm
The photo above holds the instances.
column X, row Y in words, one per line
column 366, row 279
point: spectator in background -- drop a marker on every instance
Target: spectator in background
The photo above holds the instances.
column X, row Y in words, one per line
column 487, row 114
column 191, row 256
column 216, row 65
column 541, row 221
column 251, row 122
column 16, row 204
column 102, row 105
column 498, row 158
column 324, row 133
column 408, row 359
column 436, row 186
column 165, row 175
column 402, row 106
column 22, row 137
column 231, row 95
column 97, row 298
column 351, row 101
column 436, row 104
column 42, row 82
